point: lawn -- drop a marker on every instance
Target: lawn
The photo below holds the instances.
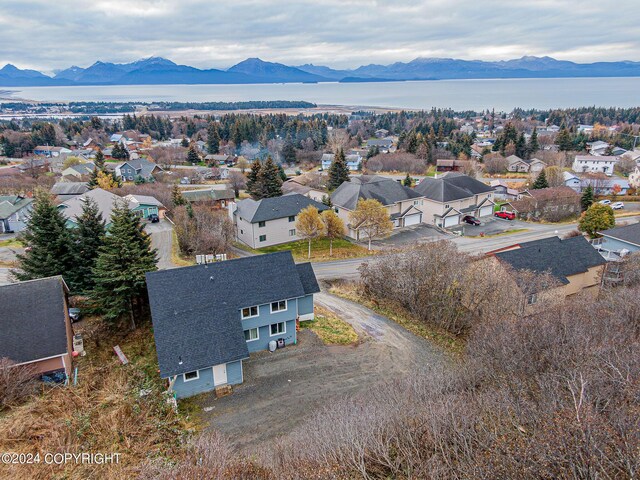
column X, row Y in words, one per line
column 11, row 243
column 319, row 250
column 441, row 338
column 331, row 329
column 177, row 258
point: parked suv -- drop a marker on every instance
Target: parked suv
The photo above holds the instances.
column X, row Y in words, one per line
column 153, row 218
column 471, row 220
column 605, row 202
column 506, row 215
column 617, row 206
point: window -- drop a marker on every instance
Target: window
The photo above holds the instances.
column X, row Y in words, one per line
column 250, row 312
column 263, row 238
column 278, row 328
column 241, row 232
column 261, row 224
column 533, row 298
column 187, row 377
column 251, row 334
column 278, row 306
column 292, row 232
column 446, row 206
column 292, row 218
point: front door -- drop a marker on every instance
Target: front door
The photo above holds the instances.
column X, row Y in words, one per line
column 220, row 374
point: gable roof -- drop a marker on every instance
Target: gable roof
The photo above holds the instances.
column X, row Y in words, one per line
column 628, row 234
column 83, row 168
column 143, row 167
column 209, row 194
column 135, row 200
column 451, row 186
column 33, row 320
column 10, row 204
column 562, row 258
column 72, row 208
column 367, row 187
column 69, row 188
column 196, row 310
column 308, row 278
column 276, row 207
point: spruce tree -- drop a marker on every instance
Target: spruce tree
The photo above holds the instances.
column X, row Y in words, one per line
column 123, row 261
column 289, row 152
column 269, row 179
column 192, row 155
column 282, row 173
column 99, row 161
column 407, row 181
column 87, row 239
column 49, row 242
column 338, row 171
column 99, row 167
column 521, row 147
column 213, row 138
column 564, row 140
column 254, row 187
column 176, row 196
column 541, row 181
column 534, row 145
column 587, row 198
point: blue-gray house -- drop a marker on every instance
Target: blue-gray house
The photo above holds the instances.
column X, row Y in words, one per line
column 208, row 318
column 617, row 242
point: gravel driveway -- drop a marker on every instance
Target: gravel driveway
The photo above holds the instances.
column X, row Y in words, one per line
column 161, row 240
column 281, row 389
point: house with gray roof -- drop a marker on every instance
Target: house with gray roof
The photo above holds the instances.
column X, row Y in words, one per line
column 35, row 325
column 72, row 208
column 354, row 161
column 137, row 168
column 403, row 204
column 617, row 242
column 145, row 205
column 67, row 190
column 270, row 221
column 208, row 319
column 79, row 170
column 14, row 212
column 383, row 144
column 452, row 196
column 215, row 197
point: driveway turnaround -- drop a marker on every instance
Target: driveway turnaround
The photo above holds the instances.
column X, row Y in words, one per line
column 282, row 388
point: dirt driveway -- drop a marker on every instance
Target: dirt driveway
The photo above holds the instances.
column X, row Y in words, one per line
column 281, row 389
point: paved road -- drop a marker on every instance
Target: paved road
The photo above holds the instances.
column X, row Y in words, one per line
column 162, row 240
column 310, row 375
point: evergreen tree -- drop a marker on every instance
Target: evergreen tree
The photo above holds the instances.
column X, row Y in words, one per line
column 213, row 138
column 176, row 196
column 289, row 152
column 541, row 181
column 521, row 147
column 192, row 155
column 49, row 242
column 254, row 188
column 269, row 180
column 281, row 172
column 99, row 161
column 564, row 140
column 87, row 239
column 338, row 171
column 407, row 181
column 534, row 145
column 184, row 142
column 587, row 198
column 100, row 166
column 123, row 261
column 116, row 151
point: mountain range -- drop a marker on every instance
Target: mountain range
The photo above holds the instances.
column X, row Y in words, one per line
column 160, row 71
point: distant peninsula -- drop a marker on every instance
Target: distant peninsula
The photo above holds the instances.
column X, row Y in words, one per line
column 160, row 71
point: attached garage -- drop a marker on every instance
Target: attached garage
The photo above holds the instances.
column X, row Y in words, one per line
column 451, row 221
column 414, row 219
column 486, row 211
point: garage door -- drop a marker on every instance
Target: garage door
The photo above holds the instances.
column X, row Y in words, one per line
column 452, row 221
column 412, row 219
column 486, row 211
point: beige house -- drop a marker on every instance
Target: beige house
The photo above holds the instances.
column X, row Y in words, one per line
column 573, row 263
column 405, row 205
column 451, row 197
column 35, row 324
column 310, row 185
column 270, row 221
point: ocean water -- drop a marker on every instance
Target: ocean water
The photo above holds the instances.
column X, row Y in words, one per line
column 501, row 94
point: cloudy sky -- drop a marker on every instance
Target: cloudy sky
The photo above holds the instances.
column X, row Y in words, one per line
column 54, row 34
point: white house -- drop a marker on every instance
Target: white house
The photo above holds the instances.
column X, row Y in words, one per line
column 594, row 164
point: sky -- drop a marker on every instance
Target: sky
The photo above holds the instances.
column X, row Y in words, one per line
column 49, row 35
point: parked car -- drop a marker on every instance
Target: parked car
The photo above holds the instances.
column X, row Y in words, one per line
column 185, row 181
column 153, row 218
column 617, row 206
column 506, row 215
column 471, row 220
column 605, row 202
column 75, row 314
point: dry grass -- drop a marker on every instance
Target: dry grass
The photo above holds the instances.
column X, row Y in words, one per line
column 103, row 413
column 11, row 243
column 440, row 337
column 331, row 329
column 177, row 258
column 342, row 249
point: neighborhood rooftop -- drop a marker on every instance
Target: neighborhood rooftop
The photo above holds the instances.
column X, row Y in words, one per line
column 33, row 320
column 277, row 207
column 384, row 190
column 628, row 233
column 196, row 310
column 451, row 186
column 561, row 258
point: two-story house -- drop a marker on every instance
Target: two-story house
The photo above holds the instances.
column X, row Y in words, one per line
column 270, row 221
column 354, row 161
column 207, row 319
column 403, row 204
column 594, row 164
column 452, row 196
column 132, row 169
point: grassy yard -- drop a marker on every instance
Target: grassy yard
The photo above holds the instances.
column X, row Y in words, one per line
column 11, row 243
column 176, row 257
column 114, row 408
column 319, row 250
column 441, row 338
column 331, row 329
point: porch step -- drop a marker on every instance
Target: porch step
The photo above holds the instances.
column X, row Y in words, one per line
column 223, row 391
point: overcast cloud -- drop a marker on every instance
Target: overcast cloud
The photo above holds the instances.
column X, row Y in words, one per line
column 55, row 34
